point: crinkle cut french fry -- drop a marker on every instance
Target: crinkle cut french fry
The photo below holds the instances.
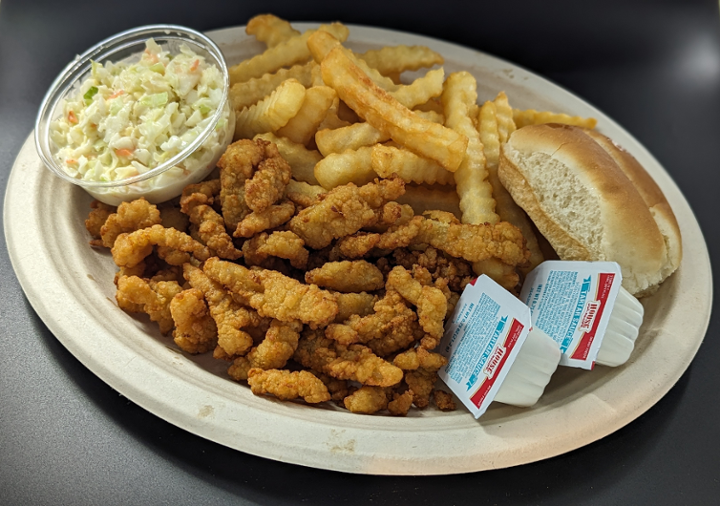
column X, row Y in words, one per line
column 377, row 107
column 489, row 135
column 505, row 206
column 301, row 160
column 351, row 166
column 352, row 137
column 421, row 89
column 272, row 112
column 285, row 54
column 332, row 119
column 476, row 202
column 252, row 91
column 504, row 115
column 270, row 29
column 397, row 59
column 532, row 117
column 423, row 199
column 389, row 160
column 358, row 135
column 302, row 127
column 320, row 45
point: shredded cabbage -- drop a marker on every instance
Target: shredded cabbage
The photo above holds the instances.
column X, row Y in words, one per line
column 127, row 118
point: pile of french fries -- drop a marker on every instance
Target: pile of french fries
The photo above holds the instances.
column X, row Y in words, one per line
column 339, row 117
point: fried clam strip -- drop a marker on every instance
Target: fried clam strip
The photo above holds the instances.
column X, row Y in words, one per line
column 430, row 301
column 273, row 294
column 303, row 194
column 420, row 368
column 96, row 219
column 195, row 330
column 343, row 211
column 196, row 202
column 174, row 246
column 455, row 271
column 354, row 362
column 279, row 345
column 135, row 294
column 285, row 245
column 130, row 216
column 366, row 400
column 360, row 304
column 475, row 242
column 237, row 165
column 355, row 246
column 391, row 327
column 272, row 217
column 347, row 276
column 230, row 317
column 391, row 214
column 267, row 186
column 288, row 385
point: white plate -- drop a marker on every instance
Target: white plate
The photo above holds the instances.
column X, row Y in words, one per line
column 70, row 286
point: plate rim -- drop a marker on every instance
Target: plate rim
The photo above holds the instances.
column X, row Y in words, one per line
column 348, row 450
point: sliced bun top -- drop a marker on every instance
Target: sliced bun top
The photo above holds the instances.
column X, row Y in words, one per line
column 580, row 191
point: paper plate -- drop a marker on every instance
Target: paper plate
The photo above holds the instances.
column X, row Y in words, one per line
column 70, row 286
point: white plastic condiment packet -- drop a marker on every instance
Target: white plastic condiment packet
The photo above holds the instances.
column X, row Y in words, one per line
column 571, row 302
column 482, row 338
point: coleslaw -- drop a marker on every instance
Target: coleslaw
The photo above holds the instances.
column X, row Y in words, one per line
column 128, row 118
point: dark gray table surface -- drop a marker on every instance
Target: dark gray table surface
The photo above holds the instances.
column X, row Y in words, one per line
column 66, row 438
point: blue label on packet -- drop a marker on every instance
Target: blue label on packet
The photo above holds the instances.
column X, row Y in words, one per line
column 571, row 302
column 482, row 338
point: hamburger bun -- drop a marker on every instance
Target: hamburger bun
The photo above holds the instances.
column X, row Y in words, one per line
column 592, row 201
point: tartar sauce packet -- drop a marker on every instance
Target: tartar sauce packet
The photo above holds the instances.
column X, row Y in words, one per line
column 481, row 341
column 571, row 302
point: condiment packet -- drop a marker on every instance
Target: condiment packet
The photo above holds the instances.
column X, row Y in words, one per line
column 571, row 302
column 481, row 341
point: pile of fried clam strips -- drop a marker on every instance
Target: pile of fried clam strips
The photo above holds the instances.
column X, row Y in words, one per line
column 324, row 255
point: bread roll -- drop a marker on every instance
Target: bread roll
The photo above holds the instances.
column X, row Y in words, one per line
column 592, row 201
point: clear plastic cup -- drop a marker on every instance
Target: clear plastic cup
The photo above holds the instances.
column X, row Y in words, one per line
column 167, row 180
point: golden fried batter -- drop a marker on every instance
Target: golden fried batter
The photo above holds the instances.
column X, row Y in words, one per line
column 343, row 211
column 366, row 400
column 272, row 217
column 401, row 403
column 354, row 362
column 230, row 317
column 195, row 330
column 347, row 276
column 476, row 242
column 267, row 185
column 356, row 245
column 349, row 304
column 285, row 245
column 130, row 216
column 151, row 297
column 196, row 202
column 430, row 301
column 287, row 385
column 273, row 294
column 130, row 249
column 99, row 213
column 444, row 400
column 393, row 325
column 273, row 352
column 237, row 165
